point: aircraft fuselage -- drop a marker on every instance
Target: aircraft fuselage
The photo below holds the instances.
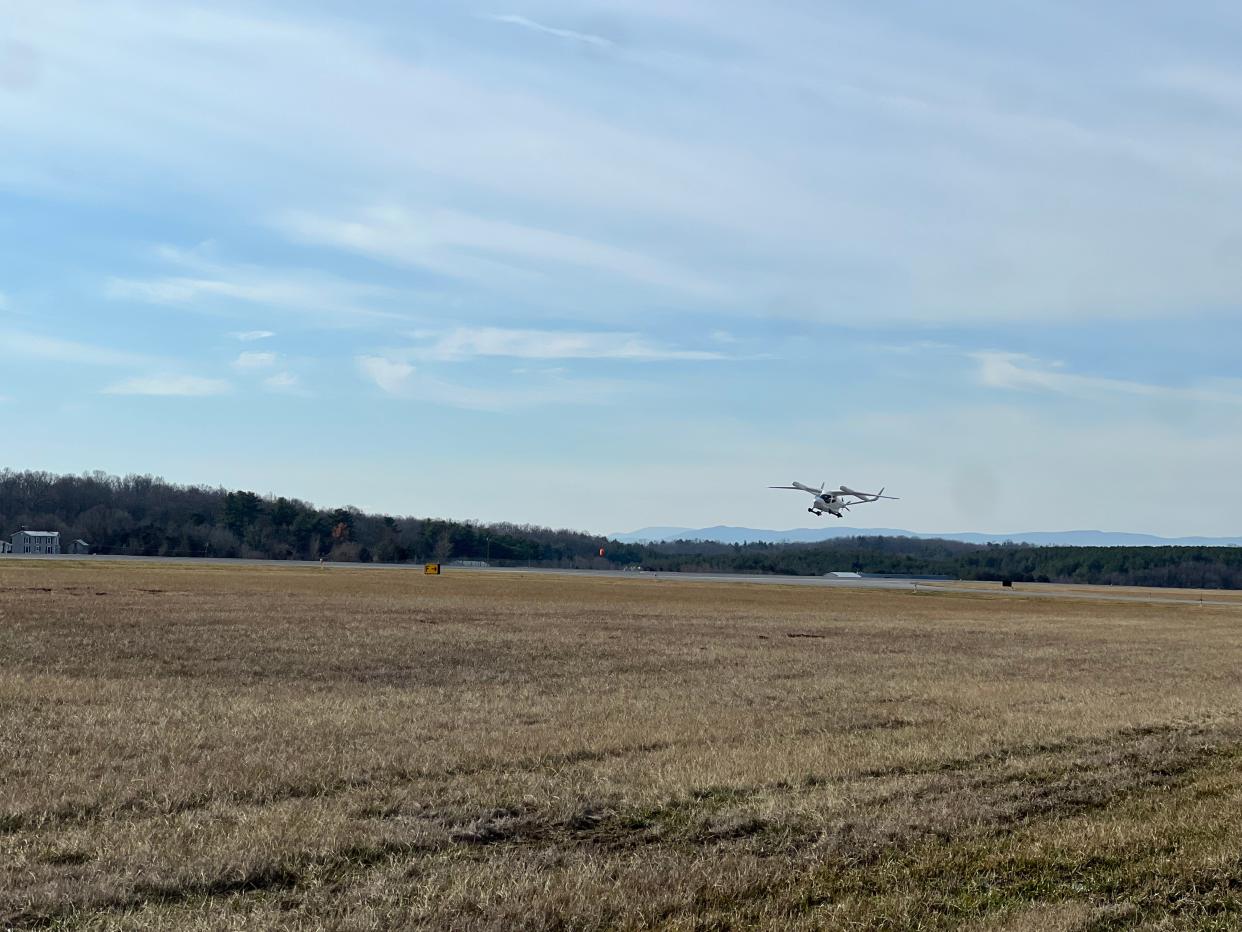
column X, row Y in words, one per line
column 826, row 503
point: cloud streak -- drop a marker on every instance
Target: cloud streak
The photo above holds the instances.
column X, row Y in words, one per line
column 523, row 389
column 466, row 343
column 1019, row 372
column 530, row 24
column 54, row 349
column 468, row 246
column 285, row 382
column 252, row 361
column 301, row 291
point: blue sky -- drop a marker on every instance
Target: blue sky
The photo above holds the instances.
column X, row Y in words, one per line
column 609, row 265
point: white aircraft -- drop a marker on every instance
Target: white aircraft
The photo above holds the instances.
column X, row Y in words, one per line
column 835, row 501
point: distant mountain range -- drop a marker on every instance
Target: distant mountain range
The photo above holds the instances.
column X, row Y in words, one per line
column 737, row 535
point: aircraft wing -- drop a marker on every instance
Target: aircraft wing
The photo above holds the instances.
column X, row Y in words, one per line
column 868, row 496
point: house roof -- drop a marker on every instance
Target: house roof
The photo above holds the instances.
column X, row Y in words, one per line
column 82, row 542
column 39, row 533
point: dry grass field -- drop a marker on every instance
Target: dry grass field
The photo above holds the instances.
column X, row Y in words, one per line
column 207, row 747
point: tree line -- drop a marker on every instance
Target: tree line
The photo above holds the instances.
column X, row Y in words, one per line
column 1188, row 567
column 147, row 516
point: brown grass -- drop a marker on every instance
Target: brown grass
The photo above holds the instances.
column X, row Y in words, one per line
column 210, row 747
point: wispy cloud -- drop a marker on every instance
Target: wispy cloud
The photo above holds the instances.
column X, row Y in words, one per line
column 466, row 246
column 53, row 349
column 251, row 336
column 473, row 342
column 584, row 37
column 285, row 383
column 298, row 290
column 391, row 375
column 1018, row 371
column 175, row 385
column 252, row 360
column 1216, row 85
column 530, row 389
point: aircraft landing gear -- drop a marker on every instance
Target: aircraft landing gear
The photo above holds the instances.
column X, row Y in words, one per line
column 814, row 512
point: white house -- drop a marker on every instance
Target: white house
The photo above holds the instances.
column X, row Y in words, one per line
column 36, row 542
column 5, row 547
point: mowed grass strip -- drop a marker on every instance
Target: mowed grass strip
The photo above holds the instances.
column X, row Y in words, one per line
column 261, row 747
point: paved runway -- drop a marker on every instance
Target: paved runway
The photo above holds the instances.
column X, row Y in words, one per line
column 1019, row 590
